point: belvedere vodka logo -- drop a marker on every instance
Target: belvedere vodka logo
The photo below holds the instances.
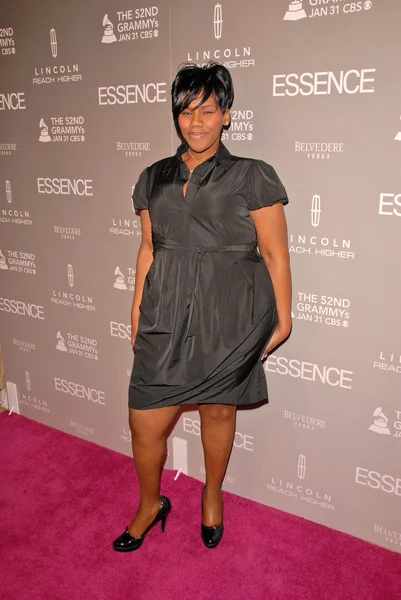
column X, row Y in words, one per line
column 295, row 11
column 3, row 262
column 6, row 149
column 108, row 34
column 218, row 21
column 67, row 233
column 24, row 346
column 319, row 150
column 53, row 42
column 44, row 132
column 304, row 421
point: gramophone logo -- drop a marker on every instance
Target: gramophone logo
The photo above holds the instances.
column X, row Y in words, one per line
column 108, row 34
column 53, row 42
column 119, row 283
column 380, row 422
column 218, row 21
column 28, row 381
column 70, row 275
column 3, row 262
column 316, row 211
column 301, row 466
column 398, row 136
column 61, row 343
column 44, row 132
column 9, row 195
column 295, row 11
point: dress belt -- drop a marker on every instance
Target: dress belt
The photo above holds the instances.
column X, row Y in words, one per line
column 201, row 251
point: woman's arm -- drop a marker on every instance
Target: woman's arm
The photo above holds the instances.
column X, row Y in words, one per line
column 143, row 262
column 271, row 230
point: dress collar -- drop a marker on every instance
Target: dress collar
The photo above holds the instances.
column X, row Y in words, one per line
column 222, row 156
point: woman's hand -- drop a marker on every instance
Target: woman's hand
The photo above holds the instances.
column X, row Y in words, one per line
column 280, row 334
column 135, row 312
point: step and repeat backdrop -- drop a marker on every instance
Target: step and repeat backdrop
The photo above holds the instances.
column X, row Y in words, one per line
column 85, row 106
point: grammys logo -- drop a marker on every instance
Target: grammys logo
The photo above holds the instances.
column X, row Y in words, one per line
column 234, row 57
column 7, row 42
column 31, row 400
column 20, row 262
column 328, row 310
column 69, row 298
column 77, row 344
column 119, row 283
column 60, row 73
column 108, row 34
column 380, row 423
column 320, row 8
column 241, row 126
column 63, row 129
column 300, row 491
column 319, row 245
column 137, row 24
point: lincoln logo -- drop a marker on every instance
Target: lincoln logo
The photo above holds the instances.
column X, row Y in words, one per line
column 53, row 42
column 70, row 274
column 8, row 192
column 315, row 211
column 301, row 466
column 28, row 381
column 218, row 21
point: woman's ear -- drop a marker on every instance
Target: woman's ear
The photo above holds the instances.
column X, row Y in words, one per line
column 227, row 118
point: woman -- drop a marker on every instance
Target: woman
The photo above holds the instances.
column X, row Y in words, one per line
column 208, row 307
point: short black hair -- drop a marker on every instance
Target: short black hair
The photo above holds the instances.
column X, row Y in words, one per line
column 192, row 81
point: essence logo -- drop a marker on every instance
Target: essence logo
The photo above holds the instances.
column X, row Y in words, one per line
column 297, row 369
column 79, row 391
column 390, row 205
column 53, row 43
column 64, row 186
column 315, row 211
column 12, row 101
column 324, row 83
column 218, row 21
column 376, row 481
column 17, row 307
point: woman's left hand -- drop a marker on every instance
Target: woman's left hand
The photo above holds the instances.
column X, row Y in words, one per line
column 280, row 334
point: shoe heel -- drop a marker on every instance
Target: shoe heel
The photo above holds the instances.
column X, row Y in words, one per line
column 163, row 522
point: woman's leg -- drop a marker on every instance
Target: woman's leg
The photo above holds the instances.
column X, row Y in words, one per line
column 149, row 446
column 217, row 431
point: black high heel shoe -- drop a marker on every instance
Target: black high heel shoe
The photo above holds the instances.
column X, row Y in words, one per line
column 126, row 543
column 211, row 536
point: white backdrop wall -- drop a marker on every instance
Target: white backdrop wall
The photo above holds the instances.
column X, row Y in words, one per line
column 85, row 106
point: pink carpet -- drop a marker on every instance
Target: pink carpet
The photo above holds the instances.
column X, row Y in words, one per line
column 63, row 500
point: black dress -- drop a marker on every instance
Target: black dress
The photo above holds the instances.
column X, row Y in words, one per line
column 208, row 307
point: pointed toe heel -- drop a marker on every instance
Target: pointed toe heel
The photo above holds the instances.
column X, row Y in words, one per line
column 126, row 543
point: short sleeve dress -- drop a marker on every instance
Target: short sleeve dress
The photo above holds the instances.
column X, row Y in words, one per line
column 208, row 307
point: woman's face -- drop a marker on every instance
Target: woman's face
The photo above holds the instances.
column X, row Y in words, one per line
column 201, row 127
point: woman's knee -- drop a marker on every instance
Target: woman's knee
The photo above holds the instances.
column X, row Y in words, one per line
column 218, row 413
